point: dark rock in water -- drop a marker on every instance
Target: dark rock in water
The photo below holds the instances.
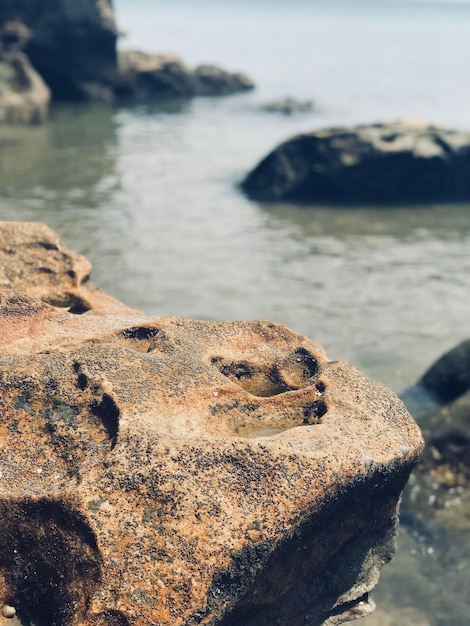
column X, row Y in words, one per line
column 24, row 97
column 402, row 161
column 449, row 376
column 288, row 106
column 72, row 44
column 213, row 81
column 143, row 75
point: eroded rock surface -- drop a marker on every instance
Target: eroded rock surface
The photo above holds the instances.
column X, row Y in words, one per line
column 162, row 471
column 409, row 160
column 33, row 261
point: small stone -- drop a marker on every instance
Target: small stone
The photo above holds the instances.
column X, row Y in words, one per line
column 8, row 611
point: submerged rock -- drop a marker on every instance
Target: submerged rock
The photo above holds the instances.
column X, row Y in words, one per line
column 24, row 97
column 288, row 106
column 410, row 161
column 177, row 472
column 144, row 75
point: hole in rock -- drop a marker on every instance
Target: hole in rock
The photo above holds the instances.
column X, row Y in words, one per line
column 141, row 338
column 313, row 411
column 74, row 304
column 259, row 381
column 112, row 618
column 108, row 412
column 306, row 361
column 50, row 559
column 140, row 333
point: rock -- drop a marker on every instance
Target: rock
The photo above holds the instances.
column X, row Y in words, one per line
column 34, row 262
column 177, row 472
column 24, row 97
column 449, row 376
column 406, row 161
column 73, row 44
column 288, row 106
column 213, row 81
column 143, row 75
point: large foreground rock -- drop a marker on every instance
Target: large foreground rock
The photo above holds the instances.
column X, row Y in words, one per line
column 161, row 471
column 73, row 44
column 149, row 76
column 408, row 161
column 24, row 97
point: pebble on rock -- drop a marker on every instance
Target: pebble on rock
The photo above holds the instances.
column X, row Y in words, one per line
column 8, row 611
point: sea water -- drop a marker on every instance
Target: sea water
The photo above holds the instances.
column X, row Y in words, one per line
column 149, row 193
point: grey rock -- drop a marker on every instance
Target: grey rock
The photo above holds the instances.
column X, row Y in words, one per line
column 149, row 76
column 449, row 376
column 409, row 160
column 24, row 97
column 72, row 44
column 288, row 106
column 214, row 81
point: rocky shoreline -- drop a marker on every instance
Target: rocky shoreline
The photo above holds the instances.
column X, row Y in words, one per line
column 168, row 471
column 67, row 50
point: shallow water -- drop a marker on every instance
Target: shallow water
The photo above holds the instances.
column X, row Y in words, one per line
column 149, row 194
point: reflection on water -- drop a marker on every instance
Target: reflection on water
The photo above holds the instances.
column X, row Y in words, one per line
column 150, row 196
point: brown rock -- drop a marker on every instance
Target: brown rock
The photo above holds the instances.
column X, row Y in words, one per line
column 161, row 471
column 33, row 261
column 24, row 97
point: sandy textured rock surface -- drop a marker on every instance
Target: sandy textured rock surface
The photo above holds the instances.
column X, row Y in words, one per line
column 161, row 471
column 410, row 160
column 33, row 261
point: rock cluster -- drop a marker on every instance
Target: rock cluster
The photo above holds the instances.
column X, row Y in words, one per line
column 143, row 75
column 72, row 47
column 162, row 471
column 409, row 160
column 72, row 44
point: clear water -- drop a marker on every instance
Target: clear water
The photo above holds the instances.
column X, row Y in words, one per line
column 149, row 193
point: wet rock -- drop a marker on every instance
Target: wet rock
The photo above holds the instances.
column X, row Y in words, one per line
column 24, row 97
column 435, row 510
column 177, row 472
column 288, row 106
column 449, row 376
column 409, row 160
column 72, row 44
column 214, row 81
column 143, row 75
column 33, row 261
